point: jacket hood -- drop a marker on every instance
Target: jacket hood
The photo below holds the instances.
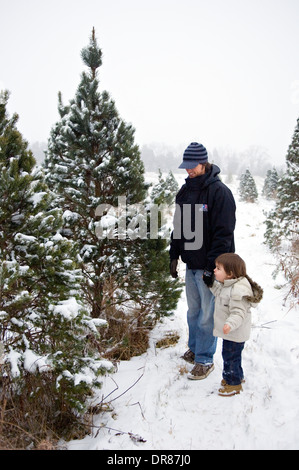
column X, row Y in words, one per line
column 247, row 289
column 204, row 180
column 257, row 292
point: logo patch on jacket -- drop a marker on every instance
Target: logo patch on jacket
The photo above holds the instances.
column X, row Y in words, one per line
column 203, row 207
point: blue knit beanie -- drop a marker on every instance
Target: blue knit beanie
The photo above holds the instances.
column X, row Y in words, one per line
column 194, row 154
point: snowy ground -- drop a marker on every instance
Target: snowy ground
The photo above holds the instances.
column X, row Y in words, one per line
column 155, row 407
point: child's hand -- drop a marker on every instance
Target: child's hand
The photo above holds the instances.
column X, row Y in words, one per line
column 226, row 329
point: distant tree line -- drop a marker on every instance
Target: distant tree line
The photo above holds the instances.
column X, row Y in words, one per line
column 166, row 158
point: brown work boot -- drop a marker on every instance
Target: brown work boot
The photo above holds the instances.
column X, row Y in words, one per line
column 188, row 356
column 200, row 371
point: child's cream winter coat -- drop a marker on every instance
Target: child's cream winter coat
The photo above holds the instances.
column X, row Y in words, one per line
column 233, row 300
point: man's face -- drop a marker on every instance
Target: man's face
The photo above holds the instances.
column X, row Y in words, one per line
column 197, row 171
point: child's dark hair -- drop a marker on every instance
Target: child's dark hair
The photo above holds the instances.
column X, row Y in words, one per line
column 233, row 264
column 235, row 267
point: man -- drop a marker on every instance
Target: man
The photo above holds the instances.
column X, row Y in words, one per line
column 204, row 224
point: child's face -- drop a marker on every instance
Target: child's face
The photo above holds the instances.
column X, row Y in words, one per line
column 220, row 274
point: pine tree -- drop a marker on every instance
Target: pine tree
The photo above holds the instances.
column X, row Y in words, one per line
column 282, row 233
column 165, row 190
column 43, row 324
column 91, row 161
column 270, row 184
column 247, row 188
column 282, row 222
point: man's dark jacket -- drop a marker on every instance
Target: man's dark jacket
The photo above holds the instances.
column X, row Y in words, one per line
column 209, row 195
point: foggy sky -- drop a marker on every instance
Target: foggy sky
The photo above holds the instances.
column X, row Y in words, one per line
column 221, row 72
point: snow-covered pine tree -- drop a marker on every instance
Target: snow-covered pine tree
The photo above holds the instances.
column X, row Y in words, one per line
column 92, row 160
column 282, row 234
column 282, row 222
column 165, row 190
column 247, row 187
column 44, row 326
column 270, row 184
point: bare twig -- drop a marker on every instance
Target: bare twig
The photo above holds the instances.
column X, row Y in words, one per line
column 123, row 393
column 138, row 403
column 136, row 381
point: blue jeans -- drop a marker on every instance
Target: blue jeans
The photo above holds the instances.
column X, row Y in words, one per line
column 200, row 317
column 232, row 357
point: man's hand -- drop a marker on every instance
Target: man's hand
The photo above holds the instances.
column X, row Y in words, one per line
column 208, row 278
column 173, row 268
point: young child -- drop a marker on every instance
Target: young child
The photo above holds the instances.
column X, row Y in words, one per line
column 234, row 294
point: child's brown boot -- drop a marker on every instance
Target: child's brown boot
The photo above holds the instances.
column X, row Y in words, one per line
column 229, row 390
column 223, row 382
